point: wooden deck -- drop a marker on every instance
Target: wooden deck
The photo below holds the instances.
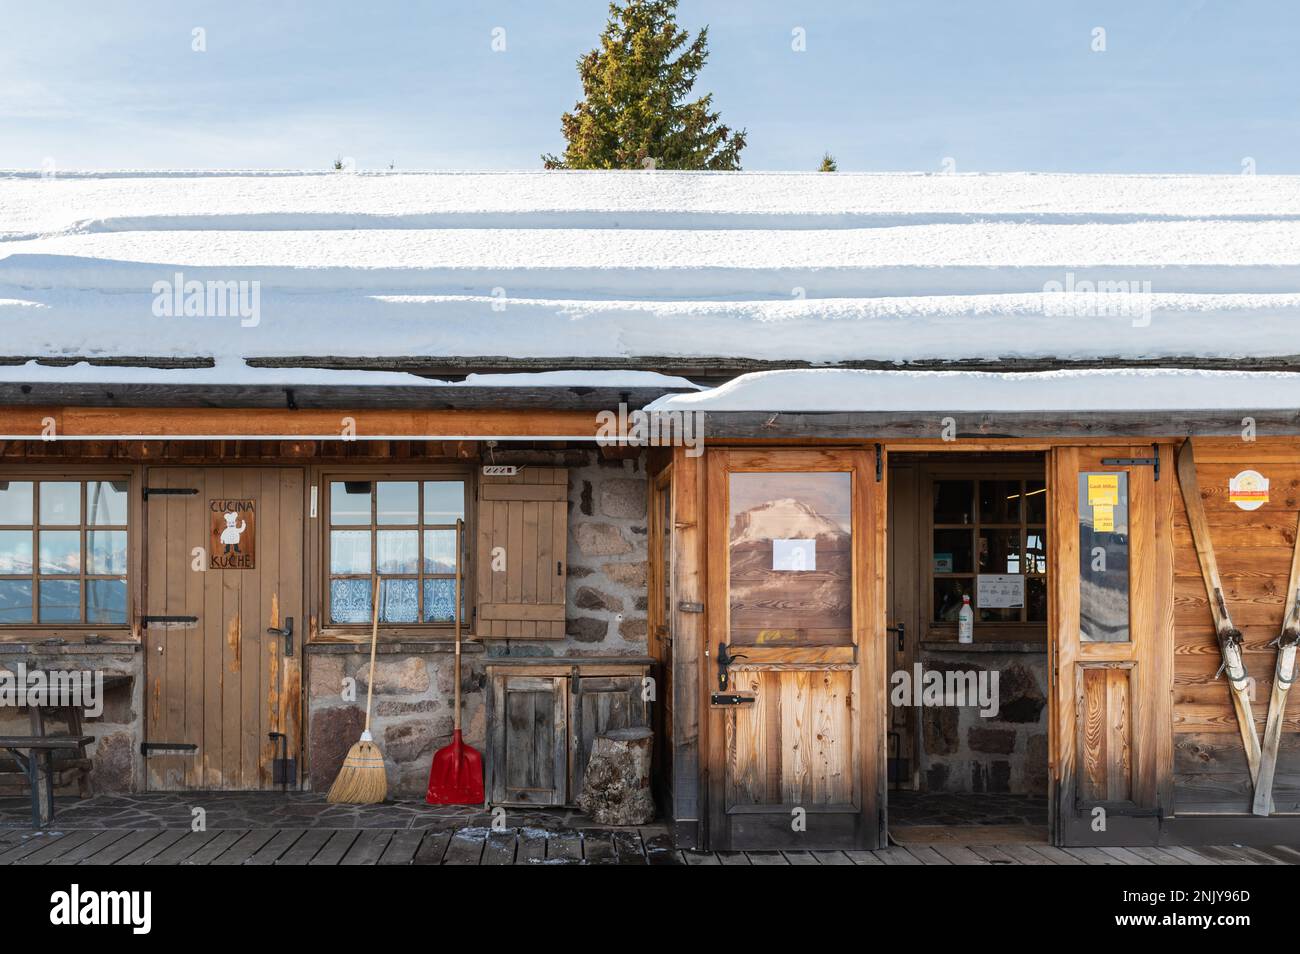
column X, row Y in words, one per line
column 522, row 846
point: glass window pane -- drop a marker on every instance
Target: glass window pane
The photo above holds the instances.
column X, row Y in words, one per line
column 1035, row 501
column 105, row 602
column 60, row 502
column 16, row 502
column 397, row 501
column 440, row 551
column 999, row 501
column 350, row 601
column 399, row 601
column 15, row 601
column 791, row 559
column 1103, row 558
column 106, row 551
column 439, row 600
column 1036, row 599
column 947, row 598
column 1036, row 550
column 349, row 551
column 444, row 501
column 60, row 551
column 106, row 502
column 60, row 601
column 952, row 551
column 952, row 501
column 397, row 551
column 349, row 502
column 15, row 551
column 999, row 551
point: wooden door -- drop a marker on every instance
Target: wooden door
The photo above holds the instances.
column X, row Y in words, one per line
column 796, row 588
column 1112, row 639
column 904, row 630
column 216, row 679
column 529, row 759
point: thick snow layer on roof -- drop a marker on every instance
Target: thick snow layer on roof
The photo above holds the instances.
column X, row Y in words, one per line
column 845, row 390
column 236, row 372
column 777, row 267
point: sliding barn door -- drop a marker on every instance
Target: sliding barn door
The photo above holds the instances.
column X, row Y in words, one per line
column 1112, row 638
column 795, row 608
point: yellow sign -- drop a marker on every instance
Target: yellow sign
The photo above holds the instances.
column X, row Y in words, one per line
column 1103, row 489
column 1103, row 518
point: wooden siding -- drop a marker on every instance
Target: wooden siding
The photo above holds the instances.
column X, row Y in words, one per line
column 1254, row 551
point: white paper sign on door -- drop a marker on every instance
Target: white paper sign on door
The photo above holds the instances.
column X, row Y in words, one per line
column 1000, row 591
column 794, row 555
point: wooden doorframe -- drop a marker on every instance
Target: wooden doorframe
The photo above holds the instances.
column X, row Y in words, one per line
column 1141, row 670
column 292, row 669
column 869, row 502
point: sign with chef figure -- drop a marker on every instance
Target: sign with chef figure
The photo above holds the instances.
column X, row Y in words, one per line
column 234, row 534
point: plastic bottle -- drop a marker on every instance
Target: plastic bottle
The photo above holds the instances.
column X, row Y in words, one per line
column 966, row 622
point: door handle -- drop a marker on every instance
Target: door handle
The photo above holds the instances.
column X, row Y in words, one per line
column 901, row 630
column 286, row 634
column 725, row 660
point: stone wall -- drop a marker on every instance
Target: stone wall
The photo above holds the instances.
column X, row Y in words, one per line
column 118, row 730
column 961, row 751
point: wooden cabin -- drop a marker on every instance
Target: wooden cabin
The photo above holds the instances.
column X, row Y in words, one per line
column 729, row 451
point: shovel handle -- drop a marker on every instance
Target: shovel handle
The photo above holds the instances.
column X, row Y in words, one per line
column 460, row 525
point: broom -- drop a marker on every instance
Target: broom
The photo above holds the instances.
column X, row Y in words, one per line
column 362, row 780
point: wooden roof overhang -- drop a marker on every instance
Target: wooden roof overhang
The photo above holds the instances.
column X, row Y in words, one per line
column 96, row 411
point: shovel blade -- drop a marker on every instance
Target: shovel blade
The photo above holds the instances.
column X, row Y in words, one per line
column 456, row 776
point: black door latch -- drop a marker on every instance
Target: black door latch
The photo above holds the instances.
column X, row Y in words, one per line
column 725, row 660
column 286, row 634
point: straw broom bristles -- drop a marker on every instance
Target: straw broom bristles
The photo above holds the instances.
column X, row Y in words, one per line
column 363, row 779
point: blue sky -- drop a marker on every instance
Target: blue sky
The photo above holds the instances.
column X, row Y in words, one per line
column 1191, row 86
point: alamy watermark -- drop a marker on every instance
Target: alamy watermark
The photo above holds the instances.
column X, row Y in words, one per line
column 953, row 688
column 1098, row 299
column 82, row 688
column 638, row 428
column 178, row 298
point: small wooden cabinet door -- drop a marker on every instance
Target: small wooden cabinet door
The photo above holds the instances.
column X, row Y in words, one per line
column 529, row 740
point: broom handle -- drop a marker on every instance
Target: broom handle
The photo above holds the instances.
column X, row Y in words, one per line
column 456, row 717
column 374, row 635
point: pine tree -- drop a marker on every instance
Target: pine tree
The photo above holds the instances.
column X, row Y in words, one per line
column 828, row 164
column 634, row 110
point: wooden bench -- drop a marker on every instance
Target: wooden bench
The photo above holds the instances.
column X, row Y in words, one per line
column 40, row 751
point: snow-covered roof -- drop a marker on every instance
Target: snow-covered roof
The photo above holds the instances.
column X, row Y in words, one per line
column 658, row 270
column 1148, row 391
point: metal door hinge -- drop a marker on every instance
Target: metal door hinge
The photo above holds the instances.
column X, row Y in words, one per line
column 1152, row 462
column 167, row 748
column 151, row 620
column 170, row 492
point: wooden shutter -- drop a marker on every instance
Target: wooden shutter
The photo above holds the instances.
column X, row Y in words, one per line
column 522, row 557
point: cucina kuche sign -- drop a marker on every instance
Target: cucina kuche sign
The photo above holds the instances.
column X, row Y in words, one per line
column 234, row 534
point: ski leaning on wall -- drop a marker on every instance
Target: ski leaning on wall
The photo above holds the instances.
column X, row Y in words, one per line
column 1283, row 676
column 1229, row 636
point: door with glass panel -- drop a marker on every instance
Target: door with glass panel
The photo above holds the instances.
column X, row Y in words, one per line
column 223, row 627
column 795, row 609
column 1111, row 619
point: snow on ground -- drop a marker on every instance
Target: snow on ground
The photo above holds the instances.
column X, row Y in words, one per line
column 779, row 267
column 1149, row 390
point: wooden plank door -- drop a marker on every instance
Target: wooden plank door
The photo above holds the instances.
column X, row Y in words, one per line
column 796, row 588
column 530, row 762
column 903, row 602
column 1110, row 539
column 216, row 679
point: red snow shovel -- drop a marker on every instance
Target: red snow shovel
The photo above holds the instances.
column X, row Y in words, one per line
column 456, row 776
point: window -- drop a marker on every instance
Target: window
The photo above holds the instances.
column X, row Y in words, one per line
column 995, row 529
column 63, row 552
column 1103, row 558
column 404, row 532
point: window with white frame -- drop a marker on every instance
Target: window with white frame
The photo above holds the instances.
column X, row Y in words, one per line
column 402, row 531
column 63, row 552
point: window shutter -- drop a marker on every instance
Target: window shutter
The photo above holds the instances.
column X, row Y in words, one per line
column 522, row 554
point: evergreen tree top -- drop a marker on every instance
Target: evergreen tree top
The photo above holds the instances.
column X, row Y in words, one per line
column 635, row 112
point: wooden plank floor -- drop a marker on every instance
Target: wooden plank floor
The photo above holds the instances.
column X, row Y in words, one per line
column 524, row 846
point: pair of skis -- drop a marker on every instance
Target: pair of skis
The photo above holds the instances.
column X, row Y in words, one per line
column 1262, row 760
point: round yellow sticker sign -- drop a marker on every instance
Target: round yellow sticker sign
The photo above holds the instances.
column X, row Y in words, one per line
column 1248, row 490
